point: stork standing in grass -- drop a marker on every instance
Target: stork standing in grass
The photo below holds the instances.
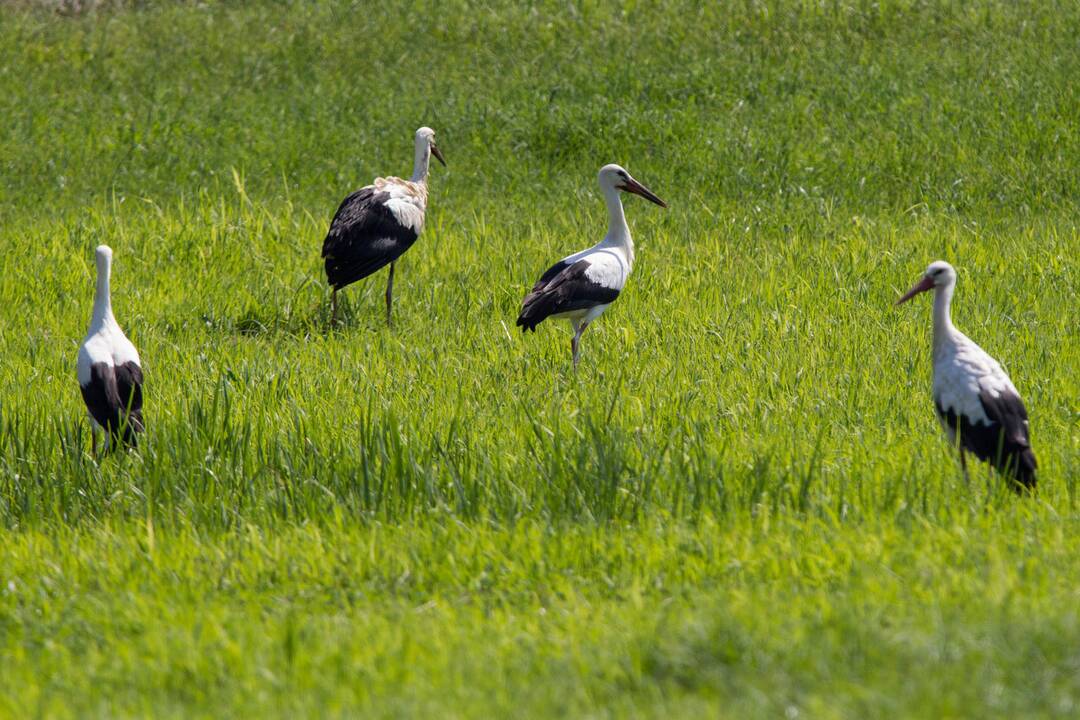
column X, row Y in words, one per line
column 109, row 371
column 375, row 225
column 977, row 404
column 580, row 287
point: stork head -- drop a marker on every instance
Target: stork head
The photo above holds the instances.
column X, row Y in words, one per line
column 613, row 177
column 425, row 141
column 939, row 274
column 103, row 257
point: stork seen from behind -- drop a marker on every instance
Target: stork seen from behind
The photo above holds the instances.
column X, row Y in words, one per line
column 110, row 374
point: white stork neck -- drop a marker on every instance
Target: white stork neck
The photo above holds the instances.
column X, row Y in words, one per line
column 421, row 161
column 102, row 297
column 618, row 233
column 944, row 331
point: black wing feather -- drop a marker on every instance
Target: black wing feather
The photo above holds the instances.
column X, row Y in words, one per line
column 1005, row 442
column 1012, row 452
column 364, row 237
column 550, row 274
column 563, row 288
column 129, row 381
column 114, row 398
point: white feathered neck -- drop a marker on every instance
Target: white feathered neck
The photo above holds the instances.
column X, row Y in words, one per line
column 945, row 334
column 421, row 160
column 102, row 316
column 618, row 234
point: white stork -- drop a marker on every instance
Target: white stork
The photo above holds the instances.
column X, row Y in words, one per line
column 976, row 402
column 376, row 224
column 580, row 287
column 109, row 371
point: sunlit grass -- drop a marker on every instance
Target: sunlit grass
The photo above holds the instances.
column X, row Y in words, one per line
column 740, row 503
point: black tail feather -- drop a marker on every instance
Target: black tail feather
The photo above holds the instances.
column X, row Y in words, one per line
column 341, row 273
column 534, row 311
column 1023, row 473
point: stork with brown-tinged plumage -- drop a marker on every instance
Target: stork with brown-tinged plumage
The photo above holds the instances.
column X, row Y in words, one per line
column 375, row 225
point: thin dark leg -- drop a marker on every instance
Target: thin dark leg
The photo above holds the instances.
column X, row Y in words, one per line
column 576, row 342
column 963, row 465
column 390, row 293
column 93, row 442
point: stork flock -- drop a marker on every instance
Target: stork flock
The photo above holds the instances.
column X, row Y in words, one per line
column 977, row 404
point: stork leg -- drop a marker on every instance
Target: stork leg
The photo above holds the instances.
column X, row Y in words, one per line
column 963, row 466
column 575, row 344
column 93, row 443
column 333, row 308
column 390, row 293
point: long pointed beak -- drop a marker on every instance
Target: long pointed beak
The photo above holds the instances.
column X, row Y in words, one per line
column 633, row 186
column 438, row 154
column 927, row 283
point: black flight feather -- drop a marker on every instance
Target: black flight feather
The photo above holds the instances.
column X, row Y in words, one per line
column 114, row 398
column 563, row 288
column 364, row 237
column 1004, row 443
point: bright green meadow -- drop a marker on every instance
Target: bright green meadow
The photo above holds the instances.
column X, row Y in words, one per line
column 739, row 506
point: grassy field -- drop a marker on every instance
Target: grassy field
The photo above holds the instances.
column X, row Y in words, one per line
column 740, row 505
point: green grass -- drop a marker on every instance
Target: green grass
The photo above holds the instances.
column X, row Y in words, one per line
column 740, row 505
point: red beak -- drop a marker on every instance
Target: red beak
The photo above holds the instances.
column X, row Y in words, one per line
column 927, row 283
column 633, row 186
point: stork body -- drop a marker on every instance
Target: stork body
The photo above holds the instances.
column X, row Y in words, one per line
column 375, row 225
column 580, row 287
column 977, row 404
column 108, row 368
